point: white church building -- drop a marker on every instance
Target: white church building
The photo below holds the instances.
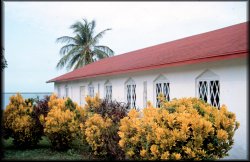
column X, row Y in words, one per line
column 211, row 66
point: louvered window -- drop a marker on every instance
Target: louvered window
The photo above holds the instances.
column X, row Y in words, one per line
column 209, row 91
column 209, row 88
column 161, row 86
column 215, row 93
column 108, row 92
column 131, row 93
column 203, row 92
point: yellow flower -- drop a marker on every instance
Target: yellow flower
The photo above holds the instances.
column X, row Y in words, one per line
column 154, row 149
column 122, row 143
column 121, row 134
column 176, row 156
column 133, row 113
column 222, row 135
column 165, row 155
column 189, row 152
column 143, row 152
column 130, row 153
column 210, row 146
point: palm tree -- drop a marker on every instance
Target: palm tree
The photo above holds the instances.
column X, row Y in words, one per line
column 83, row 48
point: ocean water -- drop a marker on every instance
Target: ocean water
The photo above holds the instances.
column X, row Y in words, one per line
column 25, row 95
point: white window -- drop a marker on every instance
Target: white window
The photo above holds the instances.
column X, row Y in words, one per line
column 82, row 95
column 130, row 89
column 91, row 90
column 161, row 85
column 145, row 94
column 108, row 91
column 208, row 86
column 66, row 91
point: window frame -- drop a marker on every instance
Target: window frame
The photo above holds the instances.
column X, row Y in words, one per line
column 106, row 85
column 91, row 86
column 132, row 84
column 161, row 79
column 208, row 76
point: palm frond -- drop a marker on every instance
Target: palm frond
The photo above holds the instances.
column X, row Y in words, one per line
column 93, row 24
column 62, row 62
column 85, row 21
column 106, row 50
column 66, row 58
column 80, row 63
column 66, row 39
column 65, row 49
column 100, row 54
column 77, row 27
column 73, row 61
column 80, row 39
column 91, row 27
column 98, row 36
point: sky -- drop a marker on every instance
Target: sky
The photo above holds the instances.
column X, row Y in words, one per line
column 31, row 29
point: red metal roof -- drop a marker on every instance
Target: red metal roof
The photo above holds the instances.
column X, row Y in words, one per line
column 226, row 43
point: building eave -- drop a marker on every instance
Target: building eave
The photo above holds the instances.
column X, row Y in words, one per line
column 236, row 54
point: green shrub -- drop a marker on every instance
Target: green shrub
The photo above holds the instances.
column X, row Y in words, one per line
column 183, row 129
column 20, row 122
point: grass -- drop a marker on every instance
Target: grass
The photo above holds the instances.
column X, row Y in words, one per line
column 43, row 151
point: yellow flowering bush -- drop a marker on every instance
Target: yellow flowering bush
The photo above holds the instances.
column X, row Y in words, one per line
column 92, row 103
column 20, row 123
column 63, row 123
column 181, row 129
column 96, row 128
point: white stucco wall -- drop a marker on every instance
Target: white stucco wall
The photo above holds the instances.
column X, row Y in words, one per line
column 233, row 90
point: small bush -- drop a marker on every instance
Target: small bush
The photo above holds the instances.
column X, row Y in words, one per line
column 102, row 126
column 41, row 110
column 112, row 109
column 183, row 129
column 63, row 122
column 96, row 128
column 20, row 123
